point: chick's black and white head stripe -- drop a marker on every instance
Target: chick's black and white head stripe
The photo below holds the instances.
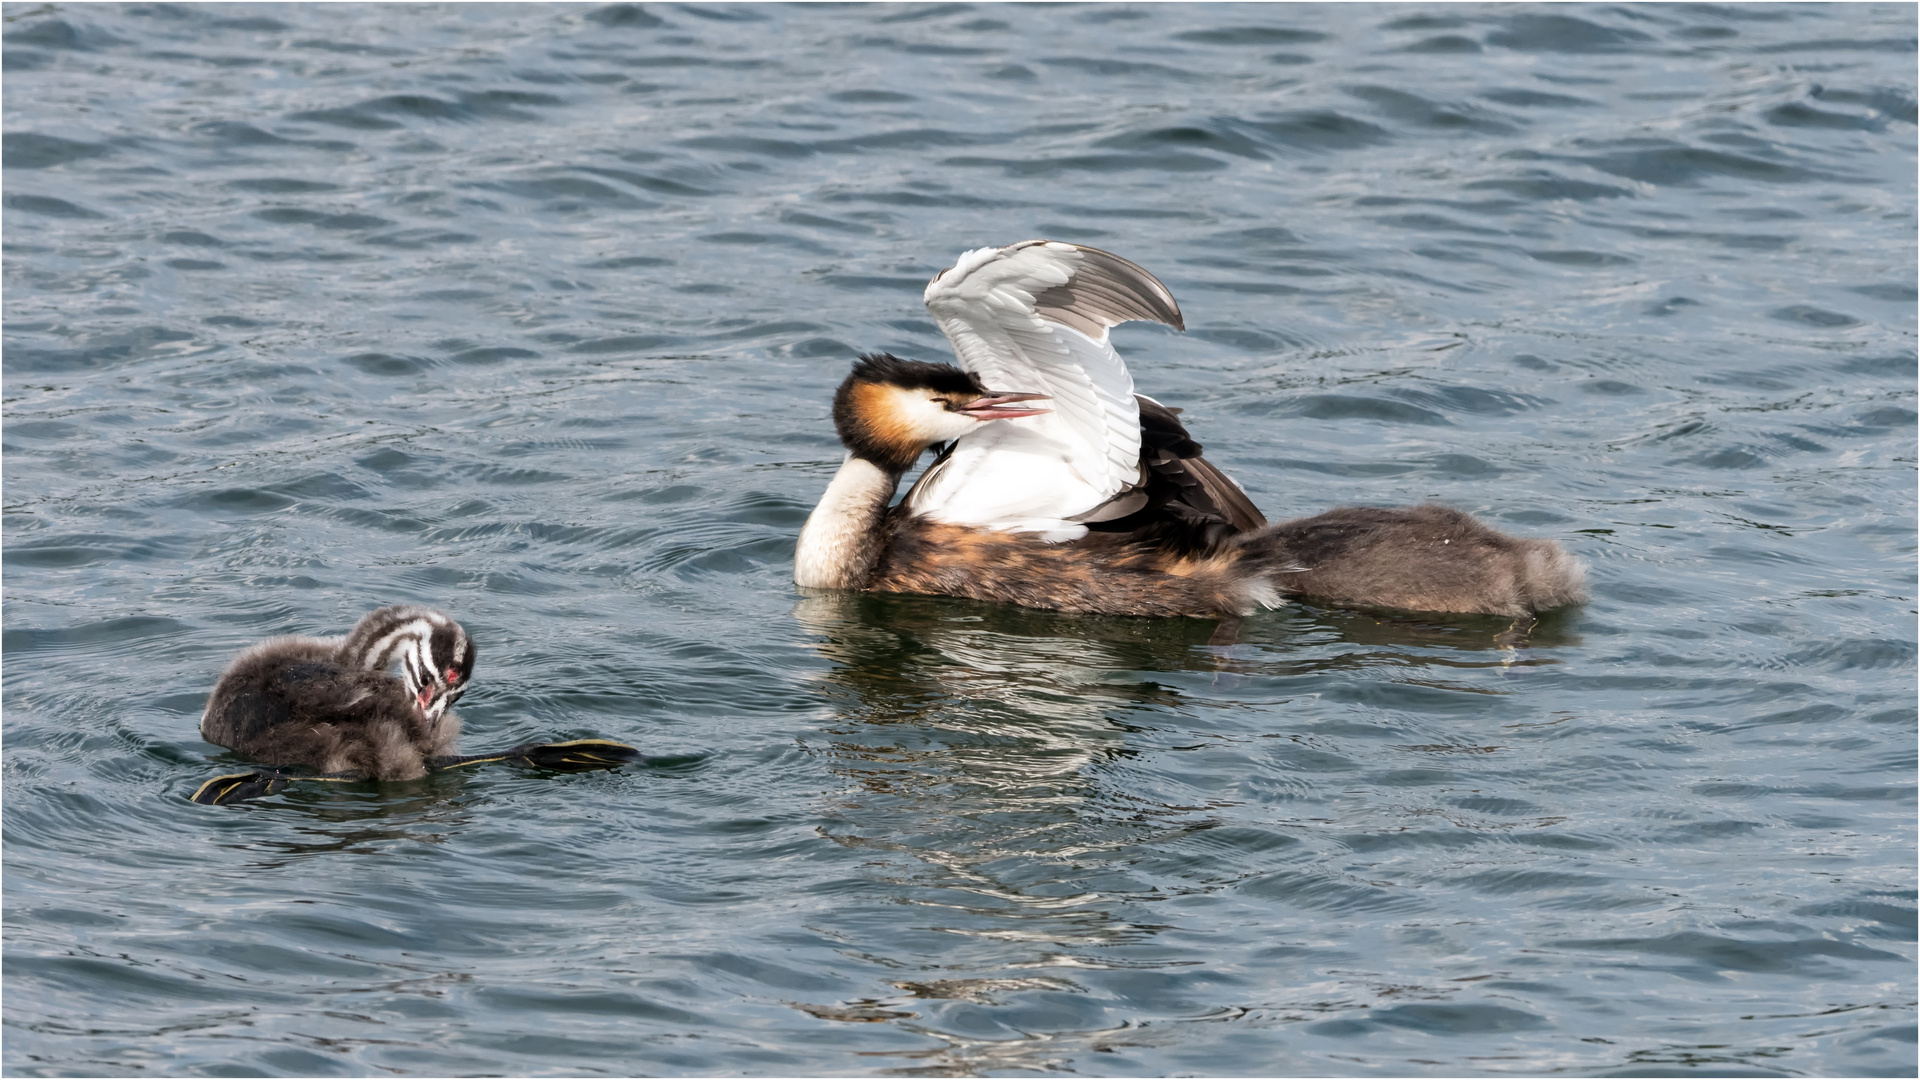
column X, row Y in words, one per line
column 434, row 653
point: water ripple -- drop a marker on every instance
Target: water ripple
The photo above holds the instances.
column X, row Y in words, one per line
column 534, row 313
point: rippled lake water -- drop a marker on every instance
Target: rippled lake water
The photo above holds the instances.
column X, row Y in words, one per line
column 533, row 313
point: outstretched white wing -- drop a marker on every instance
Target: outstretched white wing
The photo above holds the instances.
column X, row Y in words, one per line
column 1033, row 318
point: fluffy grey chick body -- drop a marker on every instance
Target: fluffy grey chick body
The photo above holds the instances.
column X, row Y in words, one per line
column 331, row 704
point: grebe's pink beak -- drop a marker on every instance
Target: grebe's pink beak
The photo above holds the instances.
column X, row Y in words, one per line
column 992, row 406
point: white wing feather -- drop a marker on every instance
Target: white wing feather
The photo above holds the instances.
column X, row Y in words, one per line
column 1033, row 318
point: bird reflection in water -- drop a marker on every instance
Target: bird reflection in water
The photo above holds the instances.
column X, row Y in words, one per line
column 994, row 669
column 1003, row 765
column 903, row 658
column 988, row 726
column 975, row 737
column 992, row 707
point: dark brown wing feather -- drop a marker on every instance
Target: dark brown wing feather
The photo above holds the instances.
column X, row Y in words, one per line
column 1226, row 495
column 1190, row 505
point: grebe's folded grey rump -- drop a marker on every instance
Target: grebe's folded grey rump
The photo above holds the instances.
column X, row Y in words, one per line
column 330, row 704
column 1060, row 488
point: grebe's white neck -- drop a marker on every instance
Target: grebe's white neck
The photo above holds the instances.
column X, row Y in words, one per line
column 841, row 541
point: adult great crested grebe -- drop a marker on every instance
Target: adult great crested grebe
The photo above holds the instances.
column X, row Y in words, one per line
column 1098, row 502
column 330, row 704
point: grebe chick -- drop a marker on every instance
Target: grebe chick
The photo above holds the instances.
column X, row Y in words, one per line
column 330, row 704
column 1100, row 502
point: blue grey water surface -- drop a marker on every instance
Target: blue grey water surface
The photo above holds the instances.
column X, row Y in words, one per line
column 534, row 312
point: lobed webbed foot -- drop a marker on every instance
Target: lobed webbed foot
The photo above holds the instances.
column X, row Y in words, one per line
column 236, row 787
column 239, row 787
column 577, row 755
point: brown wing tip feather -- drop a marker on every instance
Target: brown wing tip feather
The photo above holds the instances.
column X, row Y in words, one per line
column 1105, row 290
